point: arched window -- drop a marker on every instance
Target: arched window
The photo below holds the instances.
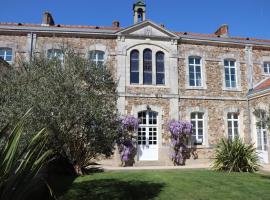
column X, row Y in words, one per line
column 6, row 54
column 56, row 54
column 147, row 66
column 160, row 75
column 97, row 57
column 134, row 66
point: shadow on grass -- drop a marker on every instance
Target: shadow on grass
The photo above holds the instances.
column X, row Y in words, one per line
column 114, row 189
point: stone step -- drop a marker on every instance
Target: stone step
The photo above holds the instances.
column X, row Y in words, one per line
column 149, row 163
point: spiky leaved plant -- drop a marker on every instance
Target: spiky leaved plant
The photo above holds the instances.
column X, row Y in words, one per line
column 235, row 156
column 18, row 168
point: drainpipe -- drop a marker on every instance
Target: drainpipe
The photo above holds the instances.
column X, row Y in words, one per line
column 31, row 44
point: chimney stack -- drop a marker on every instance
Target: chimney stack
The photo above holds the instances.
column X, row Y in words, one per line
column 223, row 31
column 47, row 19
column 162, row 25
column 116, row 24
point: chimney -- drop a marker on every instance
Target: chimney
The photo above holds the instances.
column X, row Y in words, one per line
column 47, row 19
column 116, row 24
column 223, row 31
column 162, row 25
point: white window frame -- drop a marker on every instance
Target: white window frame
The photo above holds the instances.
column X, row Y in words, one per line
column 262, row 129
column 230, row 74
column 96, row 60
column 232, row 120
column 5, row 49
column 194, row 65
column 155, row 49
column 196, row 120
column 268, row 67
column 55, row 54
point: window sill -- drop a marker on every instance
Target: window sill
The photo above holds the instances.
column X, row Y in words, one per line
column 148, row 86
column 195, row 88
column 232, row 89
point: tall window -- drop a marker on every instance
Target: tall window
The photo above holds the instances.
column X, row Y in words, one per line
column 230, row 74
column 147, row 66
column 6, row 54
column 97, row 57
column 266, row 67
column 197, row 125
column 56, row 54
column 134, row 66
column 233, row 125
column 160, row 75
column 261, row 132
column 195, row 71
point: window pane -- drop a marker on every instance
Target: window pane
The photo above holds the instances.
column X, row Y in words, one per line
column 193, row 115
column 2, row 52
column 8, row 58
column 200, row 115
column 147, row 66
column 191, row 60
column 198, row 69
column 267, row 68
column 160, row 79
column 160, row 68
column 147, row 78
column 197, row 61
column 134, row 78
column 226, row 63
column 232, row 63
column 191, row 82
column 134, row 67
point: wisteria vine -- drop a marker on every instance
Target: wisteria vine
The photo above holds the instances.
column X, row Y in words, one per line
column 180, row 132
column 127, row 141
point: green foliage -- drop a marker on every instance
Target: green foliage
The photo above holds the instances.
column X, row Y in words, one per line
column 74, row 100
column 235, row 156
column 19, row 168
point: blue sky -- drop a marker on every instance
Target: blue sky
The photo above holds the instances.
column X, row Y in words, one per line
column 247, row 18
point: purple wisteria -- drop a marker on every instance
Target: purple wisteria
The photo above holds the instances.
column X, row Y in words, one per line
column 180, row 133
column 127, row 140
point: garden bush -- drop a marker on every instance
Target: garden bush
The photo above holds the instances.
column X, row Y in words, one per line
column 235, row 156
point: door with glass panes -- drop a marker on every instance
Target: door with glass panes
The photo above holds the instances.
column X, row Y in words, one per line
column 262, row 146
column 148, row 136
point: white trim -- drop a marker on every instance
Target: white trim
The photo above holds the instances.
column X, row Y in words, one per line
column 205, row 123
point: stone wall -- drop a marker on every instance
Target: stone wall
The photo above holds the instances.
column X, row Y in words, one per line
column 18, row 44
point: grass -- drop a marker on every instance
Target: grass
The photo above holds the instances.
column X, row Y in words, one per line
column 174, row 184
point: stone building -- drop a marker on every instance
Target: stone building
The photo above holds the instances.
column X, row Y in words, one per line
column 214, row 80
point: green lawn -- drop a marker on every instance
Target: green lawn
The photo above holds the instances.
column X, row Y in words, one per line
column 174, row 184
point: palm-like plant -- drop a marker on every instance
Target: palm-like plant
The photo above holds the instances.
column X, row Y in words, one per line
column 235, row 156
column 18, row 168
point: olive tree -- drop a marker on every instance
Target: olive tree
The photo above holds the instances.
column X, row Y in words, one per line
column 75, row 100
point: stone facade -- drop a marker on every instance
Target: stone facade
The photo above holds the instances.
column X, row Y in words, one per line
column 176, row 98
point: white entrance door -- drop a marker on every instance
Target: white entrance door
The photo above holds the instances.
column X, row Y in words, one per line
column 148, row 136
column 262, row 142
